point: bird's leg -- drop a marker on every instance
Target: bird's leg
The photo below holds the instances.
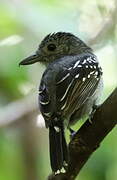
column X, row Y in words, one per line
column 95, row 107
column 72, row 133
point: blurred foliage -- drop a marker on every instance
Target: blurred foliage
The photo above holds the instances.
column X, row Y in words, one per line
column 23, row 23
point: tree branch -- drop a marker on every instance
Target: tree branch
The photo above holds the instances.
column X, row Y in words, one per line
column 89, row 136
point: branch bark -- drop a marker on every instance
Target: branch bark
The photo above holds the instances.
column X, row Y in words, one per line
column 89, row 136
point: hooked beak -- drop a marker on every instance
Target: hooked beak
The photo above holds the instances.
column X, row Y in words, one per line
column 30, row 60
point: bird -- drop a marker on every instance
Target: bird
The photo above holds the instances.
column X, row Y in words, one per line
column 70, row 89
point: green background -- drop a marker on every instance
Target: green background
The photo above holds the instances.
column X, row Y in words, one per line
column 23, row 24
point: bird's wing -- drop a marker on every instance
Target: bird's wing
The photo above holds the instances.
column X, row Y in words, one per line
column 45, row 102
column 78, row 82
column 66, row 86
column 47, row 94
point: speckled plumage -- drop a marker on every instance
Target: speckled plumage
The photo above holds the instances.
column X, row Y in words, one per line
column 70, row 87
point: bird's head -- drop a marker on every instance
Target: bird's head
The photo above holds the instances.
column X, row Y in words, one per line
column 55, row 46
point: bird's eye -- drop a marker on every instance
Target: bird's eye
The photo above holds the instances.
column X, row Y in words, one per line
column 51, row 47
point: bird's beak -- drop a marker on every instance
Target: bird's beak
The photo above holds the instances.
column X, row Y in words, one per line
column 30, row 60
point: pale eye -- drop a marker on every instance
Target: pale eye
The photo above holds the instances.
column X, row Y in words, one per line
column 51, row 47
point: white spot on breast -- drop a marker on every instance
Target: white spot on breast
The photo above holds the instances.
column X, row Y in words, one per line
column 79, row 66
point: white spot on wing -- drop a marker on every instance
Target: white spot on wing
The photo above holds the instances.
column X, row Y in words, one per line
column 84, row 61
column 64, row 105
column 66, row 91
column 88, row 75
column 96, row 73
column 77, row 76
column 63, row 78
column 44, row 103
column 70, row 68
column 40, row 91
column 47, row 114
column 92, row 72
column 83, row 79
column 76, row 64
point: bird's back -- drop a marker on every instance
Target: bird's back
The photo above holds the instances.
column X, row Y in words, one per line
column 69, row 88
column 67, row 84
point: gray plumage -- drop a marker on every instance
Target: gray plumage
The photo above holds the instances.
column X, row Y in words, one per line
column 70, row 87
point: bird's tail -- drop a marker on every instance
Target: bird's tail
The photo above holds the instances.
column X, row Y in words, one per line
column 58, row 149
